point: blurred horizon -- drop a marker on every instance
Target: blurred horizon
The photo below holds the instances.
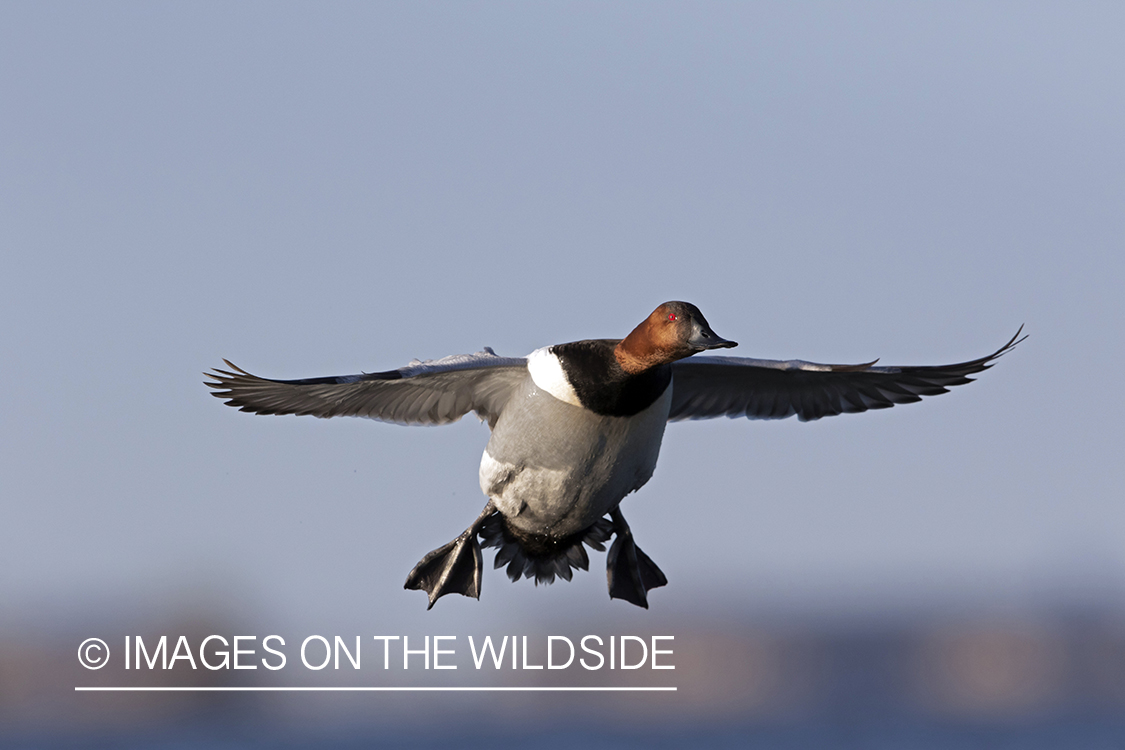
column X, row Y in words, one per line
column 948, row 676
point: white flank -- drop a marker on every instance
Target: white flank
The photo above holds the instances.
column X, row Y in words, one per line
column 547, row 373
column 491, row 473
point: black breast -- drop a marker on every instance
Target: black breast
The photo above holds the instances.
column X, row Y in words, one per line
column 602, row 386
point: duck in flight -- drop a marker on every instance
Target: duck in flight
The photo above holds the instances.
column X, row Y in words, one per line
column 576, row 427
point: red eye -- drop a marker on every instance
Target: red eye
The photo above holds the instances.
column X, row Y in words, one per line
column 671, row 317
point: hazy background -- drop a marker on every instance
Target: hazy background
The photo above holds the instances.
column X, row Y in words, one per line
column 326, row 189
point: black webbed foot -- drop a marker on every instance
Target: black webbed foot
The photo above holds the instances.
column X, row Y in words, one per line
column 629, row 571
column 454, row 568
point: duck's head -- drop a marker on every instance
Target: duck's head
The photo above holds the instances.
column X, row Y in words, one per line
column 673, row 331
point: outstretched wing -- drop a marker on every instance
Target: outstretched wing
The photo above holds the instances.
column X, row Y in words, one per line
column 433, row 392
column 707, row 387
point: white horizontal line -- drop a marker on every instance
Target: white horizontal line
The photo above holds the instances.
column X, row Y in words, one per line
column 370, row 689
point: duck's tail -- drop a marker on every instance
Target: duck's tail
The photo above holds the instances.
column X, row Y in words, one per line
column 541, row 556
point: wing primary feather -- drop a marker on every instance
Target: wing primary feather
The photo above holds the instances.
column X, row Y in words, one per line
column 709, row 386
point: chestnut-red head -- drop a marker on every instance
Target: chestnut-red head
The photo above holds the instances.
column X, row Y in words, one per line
column 673, row 331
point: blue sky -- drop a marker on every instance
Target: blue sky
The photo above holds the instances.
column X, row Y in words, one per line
column 311, row 190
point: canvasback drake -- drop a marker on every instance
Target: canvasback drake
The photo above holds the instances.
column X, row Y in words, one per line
column 576, row 427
